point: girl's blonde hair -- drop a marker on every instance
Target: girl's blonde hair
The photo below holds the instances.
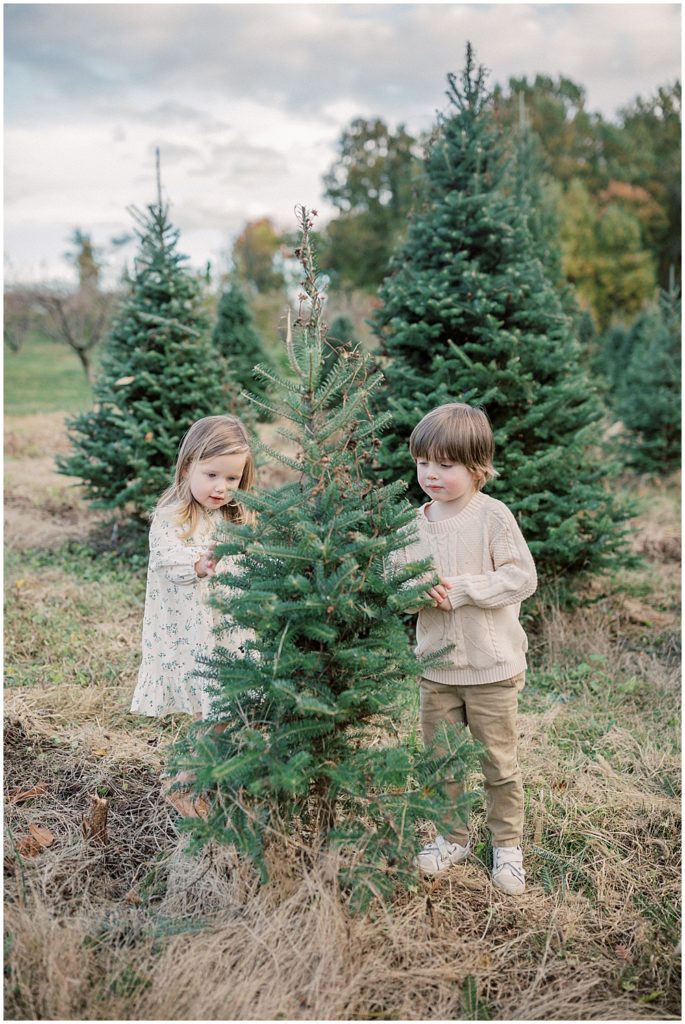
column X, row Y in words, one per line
column 456, row 433
column 206, row 439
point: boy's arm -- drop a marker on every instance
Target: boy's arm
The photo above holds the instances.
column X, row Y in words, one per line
column 170, row 555
column 512, row 579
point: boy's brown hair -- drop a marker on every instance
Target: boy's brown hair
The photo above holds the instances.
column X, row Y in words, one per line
column 458, row 433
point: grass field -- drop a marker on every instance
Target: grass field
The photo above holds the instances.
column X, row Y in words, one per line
column 44, row 377
column 138, row 929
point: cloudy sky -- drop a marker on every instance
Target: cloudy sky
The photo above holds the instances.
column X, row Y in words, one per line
column 247, row 101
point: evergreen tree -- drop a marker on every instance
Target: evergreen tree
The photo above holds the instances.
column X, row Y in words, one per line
column 469, row 314
column 614, row 349
column 236, row 339
column 158, row 374
column 341, row 335
column 537, row 191
column 315, row 581
column 649, row 396
column 342, row 331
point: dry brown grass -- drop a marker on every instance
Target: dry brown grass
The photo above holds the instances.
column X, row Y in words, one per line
column 42, row 508
column 143, row 930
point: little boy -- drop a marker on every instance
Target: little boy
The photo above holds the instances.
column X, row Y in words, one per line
column 485, row 571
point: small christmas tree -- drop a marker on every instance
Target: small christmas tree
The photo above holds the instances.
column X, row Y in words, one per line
column 158, row 374
column 331, row 660
column 649, row 396
column 470, row 315
column 236, row 339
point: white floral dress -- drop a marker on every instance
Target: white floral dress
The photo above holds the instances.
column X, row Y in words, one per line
column 178, row 621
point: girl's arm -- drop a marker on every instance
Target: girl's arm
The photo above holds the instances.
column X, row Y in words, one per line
column 169, row 554
column 512, row 579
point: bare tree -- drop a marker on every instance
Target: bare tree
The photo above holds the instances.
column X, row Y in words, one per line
column 78, row 318
column 20, row 316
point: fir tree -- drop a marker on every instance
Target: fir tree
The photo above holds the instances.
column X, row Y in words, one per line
column 158, row 374
column 537, row 192
column 236, row 339
column 315, row 581
column 614, row 348
column 469, row 315
column 649, row 396
column 340, row 336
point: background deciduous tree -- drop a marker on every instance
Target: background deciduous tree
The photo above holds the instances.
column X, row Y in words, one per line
column 371, row 183
column 75, row 316
column 254, row 252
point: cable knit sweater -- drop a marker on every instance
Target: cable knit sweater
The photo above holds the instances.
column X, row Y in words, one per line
column 482, row 553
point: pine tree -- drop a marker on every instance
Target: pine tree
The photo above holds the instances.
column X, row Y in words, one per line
column 469, row 315
column 649, row 396
column 330, row 660
column 158, row 374
column 236, row 339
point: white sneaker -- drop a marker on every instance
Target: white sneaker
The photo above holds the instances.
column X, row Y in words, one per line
column 507, row 870
column 438, row 856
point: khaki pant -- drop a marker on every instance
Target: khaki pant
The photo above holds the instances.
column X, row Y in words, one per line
column 489, row 710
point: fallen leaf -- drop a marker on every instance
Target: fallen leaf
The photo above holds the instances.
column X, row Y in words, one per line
column 187, row 805
column 133, row 897
column 27, row 846
column 101, row 753
column 123, row 380
column 33, row 844
column 20, row 796
column 41, row 834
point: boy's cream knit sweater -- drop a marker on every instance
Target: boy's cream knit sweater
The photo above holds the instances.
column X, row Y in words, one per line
column 482, row 553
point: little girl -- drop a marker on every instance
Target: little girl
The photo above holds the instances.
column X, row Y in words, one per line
column 214, row 464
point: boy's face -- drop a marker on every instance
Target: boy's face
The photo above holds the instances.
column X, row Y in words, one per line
column 446, row 481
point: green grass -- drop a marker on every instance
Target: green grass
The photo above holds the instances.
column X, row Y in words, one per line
column 70, row 618
column 44, row 376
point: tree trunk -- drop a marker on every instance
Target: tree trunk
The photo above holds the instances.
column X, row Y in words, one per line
column 94, row 824
column 84, row 359
column 323, row 808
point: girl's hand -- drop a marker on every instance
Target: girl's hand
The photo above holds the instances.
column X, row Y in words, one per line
column 206, row 564
column 438, row 595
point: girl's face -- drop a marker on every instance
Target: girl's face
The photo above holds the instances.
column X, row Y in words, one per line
column 214, row 481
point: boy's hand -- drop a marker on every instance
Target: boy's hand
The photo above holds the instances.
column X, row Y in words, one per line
column 438, row 595
column 206, row 564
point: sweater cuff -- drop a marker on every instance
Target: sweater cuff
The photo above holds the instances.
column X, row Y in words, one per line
column 457, row 595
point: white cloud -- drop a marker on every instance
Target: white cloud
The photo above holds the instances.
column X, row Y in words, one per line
column 247, row 101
